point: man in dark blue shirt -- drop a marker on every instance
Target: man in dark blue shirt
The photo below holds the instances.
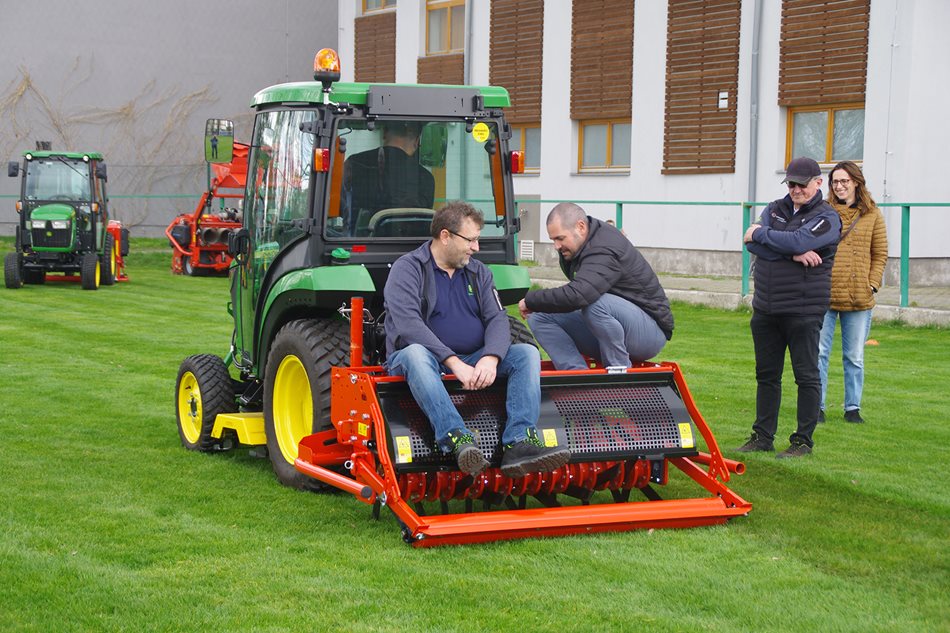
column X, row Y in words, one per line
column 443, row 315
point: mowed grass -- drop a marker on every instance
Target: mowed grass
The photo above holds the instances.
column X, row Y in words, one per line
column 108, row 524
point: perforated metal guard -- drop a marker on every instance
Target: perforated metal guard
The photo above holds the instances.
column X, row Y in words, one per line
column 607, row 417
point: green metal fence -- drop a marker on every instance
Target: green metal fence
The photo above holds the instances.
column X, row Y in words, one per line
column 748, row 215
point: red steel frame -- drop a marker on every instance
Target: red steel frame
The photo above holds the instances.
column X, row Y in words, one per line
column 361, row 449
column 202, row 225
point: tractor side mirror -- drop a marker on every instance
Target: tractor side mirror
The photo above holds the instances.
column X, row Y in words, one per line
column 238, row 243
column 13, row 169
column 219, row 141
column 101, row 171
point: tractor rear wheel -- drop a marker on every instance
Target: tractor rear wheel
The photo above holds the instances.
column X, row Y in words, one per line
column 90, row 271
column 107, row 260
column 203, row 390
column 297, row 390
column 13, row 270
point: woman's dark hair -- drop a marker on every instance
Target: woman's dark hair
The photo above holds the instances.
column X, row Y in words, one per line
column 451, row 216
column 862, row 197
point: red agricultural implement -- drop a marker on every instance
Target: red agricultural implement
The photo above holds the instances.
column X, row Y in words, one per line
column 624, row 430
column 200, row 238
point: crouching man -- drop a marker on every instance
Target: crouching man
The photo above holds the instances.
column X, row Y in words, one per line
column 443, row 315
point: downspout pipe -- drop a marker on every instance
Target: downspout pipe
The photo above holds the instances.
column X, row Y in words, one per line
column 753, row 138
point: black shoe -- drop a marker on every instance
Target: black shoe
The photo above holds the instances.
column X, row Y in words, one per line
column 530, row 455
column 854, row 415
column 795, row 450
column 821, row 417
column 471, row 460
column 755, row 444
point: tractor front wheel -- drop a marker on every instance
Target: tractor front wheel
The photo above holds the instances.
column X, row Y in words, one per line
column 107, row 260
column 13, row 270
column 90, row 271
column 203, row 390
column 297, row 390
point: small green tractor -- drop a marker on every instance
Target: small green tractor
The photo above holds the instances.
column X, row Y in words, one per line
column 64, row 224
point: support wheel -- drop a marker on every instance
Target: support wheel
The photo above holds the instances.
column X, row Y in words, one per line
column 90, row 271
column 297, row 391
column 13, row 270
column 203, row 390
column 107, row 260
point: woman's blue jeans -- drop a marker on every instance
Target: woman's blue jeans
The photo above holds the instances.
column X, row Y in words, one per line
column 855, row 327
column 521, row 365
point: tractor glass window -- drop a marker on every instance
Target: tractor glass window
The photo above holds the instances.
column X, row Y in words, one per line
column 57, row 178
column 279, row 166
column 395, row 175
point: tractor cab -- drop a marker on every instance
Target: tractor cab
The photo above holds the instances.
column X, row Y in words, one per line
column 63, row 220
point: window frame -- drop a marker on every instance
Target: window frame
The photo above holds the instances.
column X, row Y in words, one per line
column 385, row 5
column 830, row 110
column 436, row 5
column 523, row 127
column 581, row 125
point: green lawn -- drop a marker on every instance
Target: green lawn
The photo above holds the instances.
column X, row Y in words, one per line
column 108, row 524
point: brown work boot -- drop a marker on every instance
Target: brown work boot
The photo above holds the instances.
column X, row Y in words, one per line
column 756, row 444
column 797, row 449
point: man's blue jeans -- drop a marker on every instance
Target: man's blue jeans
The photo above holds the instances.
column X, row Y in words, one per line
column 611, row 329
column 855, row 328
column 521, row 365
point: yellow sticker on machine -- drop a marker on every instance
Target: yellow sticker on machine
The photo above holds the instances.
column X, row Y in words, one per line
column 480, row 132
column 362, row 429
column 403, row 449
column 550, row 437
column 686, row 435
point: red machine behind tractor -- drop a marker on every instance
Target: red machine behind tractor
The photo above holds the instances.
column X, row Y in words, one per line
column 200, row 238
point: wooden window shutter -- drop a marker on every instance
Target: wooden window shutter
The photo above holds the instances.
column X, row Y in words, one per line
column 376, row 48
column 823, row 51
column 702, row 78
column 517, row 28
column 601, row 59
column 441, row 69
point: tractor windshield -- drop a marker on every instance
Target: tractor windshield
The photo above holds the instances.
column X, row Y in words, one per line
column 57, row 178
column 395, row 173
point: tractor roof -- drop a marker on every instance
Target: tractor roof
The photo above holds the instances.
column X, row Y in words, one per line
column 76, row 155
column 356, row 93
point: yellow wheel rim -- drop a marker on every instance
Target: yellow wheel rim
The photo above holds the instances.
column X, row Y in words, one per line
column 292, row 406
column 112, row 261
column 190, row 412
column 98, row 272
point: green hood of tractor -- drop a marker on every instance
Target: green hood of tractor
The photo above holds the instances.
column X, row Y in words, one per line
column 54, row 211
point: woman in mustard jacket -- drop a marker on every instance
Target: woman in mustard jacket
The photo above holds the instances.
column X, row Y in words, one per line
column 856, row 276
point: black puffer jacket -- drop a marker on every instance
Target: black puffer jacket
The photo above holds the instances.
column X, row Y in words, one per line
column 784, row 287
column 606, row 263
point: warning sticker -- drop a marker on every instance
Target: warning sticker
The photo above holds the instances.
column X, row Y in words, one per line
column 550, row 437
column 403, row 449
column 480, row 132
column 686, row 435
column 362, row 430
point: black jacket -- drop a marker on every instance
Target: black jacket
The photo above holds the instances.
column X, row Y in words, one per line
column 606, row 263
column 784, row 287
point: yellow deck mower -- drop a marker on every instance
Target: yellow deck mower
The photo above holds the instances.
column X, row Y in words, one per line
column 309, row 267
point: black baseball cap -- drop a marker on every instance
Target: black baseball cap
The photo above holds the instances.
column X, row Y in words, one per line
column 801, row 170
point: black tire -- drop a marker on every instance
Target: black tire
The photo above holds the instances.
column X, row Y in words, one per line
column 90, row 271
column 13, row 270
column 107, row 263
column 34, row 276
column 520, row 333
column 186, row 267
column 202, row 391
column 297, row 390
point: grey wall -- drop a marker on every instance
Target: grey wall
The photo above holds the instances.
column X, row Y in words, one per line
column 136, row 79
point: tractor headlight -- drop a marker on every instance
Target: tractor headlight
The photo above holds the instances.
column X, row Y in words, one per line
column 60, row 224
column 38, row 224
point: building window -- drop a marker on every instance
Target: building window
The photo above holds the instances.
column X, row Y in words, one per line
column 527, row 138
column 377, row 5
column 445, row 26
column 604, row 145
column 828, row 134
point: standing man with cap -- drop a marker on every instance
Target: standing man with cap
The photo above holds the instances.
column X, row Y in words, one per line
column 794, row 242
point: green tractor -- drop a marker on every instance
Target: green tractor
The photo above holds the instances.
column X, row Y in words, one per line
column 64, row 224
column 318, row 230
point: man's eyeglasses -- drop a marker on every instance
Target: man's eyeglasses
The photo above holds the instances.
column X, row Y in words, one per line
column 795, row 185
column 841, row 183
column 470, row 240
